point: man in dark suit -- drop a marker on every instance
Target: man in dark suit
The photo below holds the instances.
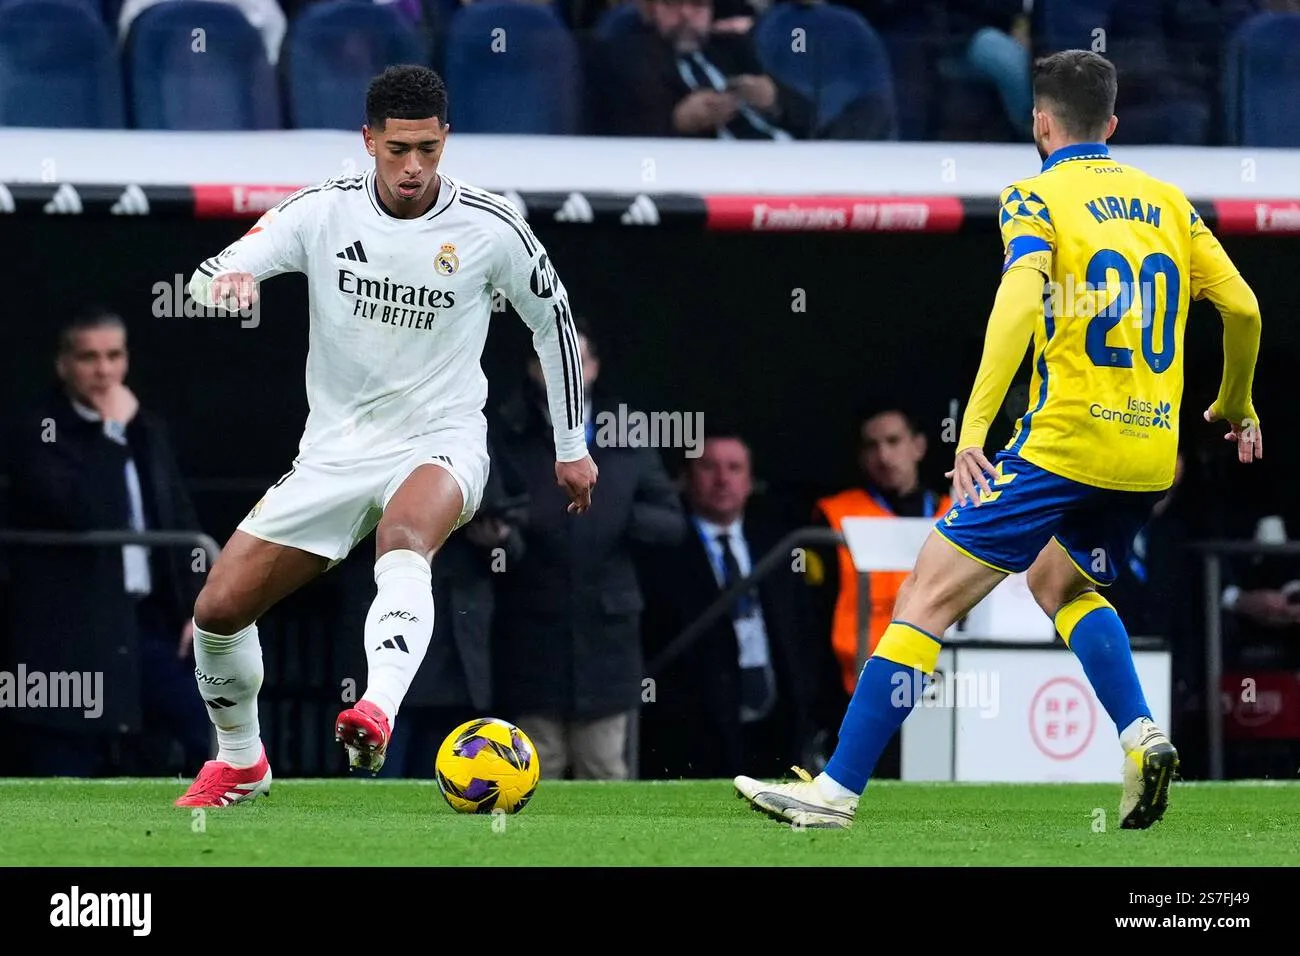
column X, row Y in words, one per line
column 753, row 688
column 88, row 457
column 566, row 654
column 676, row 73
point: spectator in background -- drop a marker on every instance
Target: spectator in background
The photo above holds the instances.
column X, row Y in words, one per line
column 267, row 16
column 746, row 692
column 88, row 457
column 673, row 74
column 991, row 39
column 891, row 447
column 567, row 662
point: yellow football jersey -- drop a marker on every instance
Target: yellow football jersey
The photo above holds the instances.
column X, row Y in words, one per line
column 1122, row 254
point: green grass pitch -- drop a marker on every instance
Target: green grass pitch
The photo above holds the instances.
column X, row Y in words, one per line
column 375, row 822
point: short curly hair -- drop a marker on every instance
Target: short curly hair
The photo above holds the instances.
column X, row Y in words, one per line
column 406, row 92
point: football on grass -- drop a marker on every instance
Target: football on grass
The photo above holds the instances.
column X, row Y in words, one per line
column 487, row 765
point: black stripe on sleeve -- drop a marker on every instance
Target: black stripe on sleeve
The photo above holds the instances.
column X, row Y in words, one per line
column 513, row 222
column 566, row 362
column 573, row 362
column 503, row 205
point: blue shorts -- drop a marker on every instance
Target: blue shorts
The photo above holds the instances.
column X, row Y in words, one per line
column 1030, row 507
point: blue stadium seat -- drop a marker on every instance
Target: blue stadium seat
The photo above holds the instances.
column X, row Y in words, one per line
column 512, row 68
column 1262, row 81
column 1069, row 24
column 58, row 67
column 617, row 20
column 331, row 53
column 837, row 59
column 198, row 65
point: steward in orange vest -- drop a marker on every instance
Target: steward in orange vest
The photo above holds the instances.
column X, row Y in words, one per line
column 842, row 582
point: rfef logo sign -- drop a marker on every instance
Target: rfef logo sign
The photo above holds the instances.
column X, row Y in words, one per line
column 1062, row 718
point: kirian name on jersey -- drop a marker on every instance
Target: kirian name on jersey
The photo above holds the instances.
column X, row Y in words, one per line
column 376, row 298
column 1106, row 208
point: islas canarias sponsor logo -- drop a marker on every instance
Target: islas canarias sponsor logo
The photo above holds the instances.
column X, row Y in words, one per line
column 1136, row 413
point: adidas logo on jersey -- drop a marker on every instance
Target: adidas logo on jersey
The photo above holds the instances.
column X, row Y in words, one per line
column 397, row 643
column 353, row 252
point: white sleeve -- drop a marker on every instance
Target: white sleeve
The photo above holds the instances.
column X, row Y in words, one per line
column 273, row 245
column 529, row 281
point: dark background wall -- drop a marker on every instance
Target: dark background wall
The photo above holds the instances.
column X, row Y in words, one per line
column 685, row 321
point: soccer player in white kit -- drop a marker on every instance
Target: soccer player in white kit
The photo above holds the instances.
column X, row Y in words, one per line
column 401, row 263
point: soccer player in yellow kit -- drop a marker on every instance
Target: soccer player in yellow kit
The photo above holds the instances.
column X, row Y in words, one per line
column 1101, row 263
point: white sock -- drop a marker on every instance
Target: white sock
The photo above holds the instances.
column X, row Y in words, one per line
column 399, row 628
column 228, row 670
column 1130, row 735
column 832, row 790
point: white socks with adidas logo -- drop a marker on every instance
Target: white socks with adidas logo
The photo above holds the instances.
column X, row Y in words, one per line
column 399, row 628
column 228, row 670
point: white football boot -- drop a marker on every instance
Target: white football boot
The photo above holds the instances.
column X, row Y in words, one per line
column 1149, row 768
column 799, row 803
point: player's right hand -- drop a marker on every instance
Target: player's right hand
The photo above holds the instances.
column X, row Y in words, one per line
column 968, row 476
column 234, row 291
column 577, row 478
column 1246, row 433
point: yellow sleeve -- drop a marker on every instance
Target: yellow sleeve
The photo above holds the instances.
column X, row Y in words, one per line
column 1016, row 308
column 1028, row 237
column 1210, row 264
column 1215, row 277
column 1028, row 242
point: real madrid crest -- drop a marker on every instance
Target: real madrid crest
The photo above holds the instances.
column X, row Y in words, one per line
column 446, row 261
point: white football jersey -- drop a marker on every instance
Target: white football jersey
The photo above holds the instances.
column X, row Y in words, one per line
column 399, row 310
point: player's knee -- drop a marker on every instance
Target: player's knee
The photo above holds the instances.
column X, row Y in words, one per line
column 218, row 610
column 1051, row 589
column 400, row 536
column 903, row 595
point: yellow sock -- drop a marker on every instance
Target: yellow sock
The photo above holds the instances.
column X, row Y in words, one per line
column 909, row 646
column 1072, row 612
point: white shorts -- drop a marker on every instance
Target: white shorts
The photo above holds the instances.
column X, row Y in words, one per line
column 328, row 508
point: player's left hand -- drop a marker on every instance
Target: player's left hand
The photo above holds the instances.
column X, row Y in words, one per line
column 968, row 472
column 1246, row 433
column 577, row 478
